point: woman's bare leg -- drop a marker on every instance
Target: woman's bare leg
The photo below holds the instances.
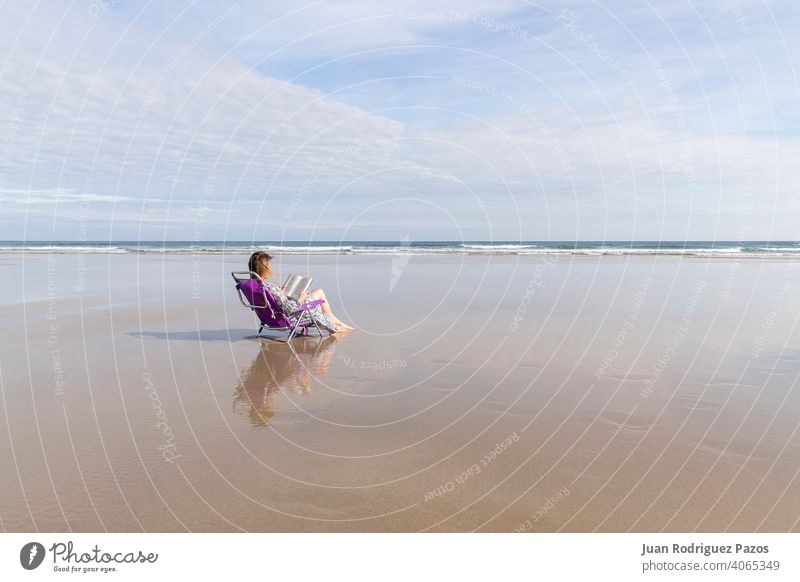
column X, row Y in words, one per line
column 326, row 309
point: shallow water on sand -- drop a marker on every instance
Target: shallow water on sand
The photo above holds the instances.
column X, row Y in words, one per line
column 478, row 393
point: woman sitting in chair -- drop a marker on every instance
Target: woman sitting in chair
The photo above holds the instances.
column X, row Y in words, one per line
column 261, row 264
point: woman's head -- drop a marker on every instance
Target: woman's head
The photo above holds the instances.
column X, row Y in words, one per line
column 261, row 263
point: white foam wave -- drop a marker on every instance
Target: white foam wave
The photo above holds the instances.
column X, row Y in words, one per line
column 463, row 249
column 62, row 249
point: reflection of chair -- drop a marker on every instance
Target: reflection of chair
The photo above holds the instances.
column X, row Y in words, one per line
column 277, row 367
column 255, row 296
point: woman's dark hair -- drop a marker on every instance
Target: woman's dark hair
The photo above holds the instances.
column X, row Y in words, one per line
column 261, row 263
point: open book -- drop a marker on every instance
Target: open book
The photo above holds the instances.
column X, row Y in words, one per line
column 295, row 285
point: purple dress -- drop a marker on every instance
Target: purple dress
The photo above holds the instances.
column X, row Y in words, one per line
column 289, row 305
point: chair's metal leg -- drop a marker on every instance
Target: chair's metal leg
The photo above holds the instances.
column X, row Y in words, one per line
column 314, row 320
column 296, row 324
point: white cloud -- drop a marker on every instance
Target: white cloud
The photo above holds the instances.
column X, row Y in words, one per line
column 158, row 118
column 157, row 114
column 54, row 196
column 341, row 28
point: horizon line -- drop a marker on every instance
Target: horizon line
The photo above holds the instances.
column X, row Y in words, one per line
column 265, row 241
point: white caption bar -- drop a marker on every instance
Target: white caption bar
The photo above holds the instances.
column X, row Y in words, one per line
column 403, row 557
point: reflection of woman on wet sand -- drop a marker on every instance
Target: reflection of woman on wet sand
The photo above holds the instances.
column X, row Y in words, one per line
column 280, row 366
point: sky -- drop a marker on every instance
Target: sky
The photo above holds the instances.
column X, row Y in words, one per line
column 399, row 120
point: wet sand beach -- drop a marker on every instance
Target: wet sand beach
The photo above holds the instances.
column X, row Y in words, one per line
column 489, row 393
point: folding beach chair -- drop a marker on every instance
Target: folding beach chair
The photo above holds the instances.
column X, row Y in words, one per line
column 256, row 297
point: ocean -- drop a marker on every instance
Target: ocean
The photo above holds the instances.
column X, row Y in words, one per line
column 734, row 249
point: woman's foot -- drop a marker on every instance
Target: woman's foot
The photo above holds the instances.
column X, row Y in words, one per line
column 343, row 326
